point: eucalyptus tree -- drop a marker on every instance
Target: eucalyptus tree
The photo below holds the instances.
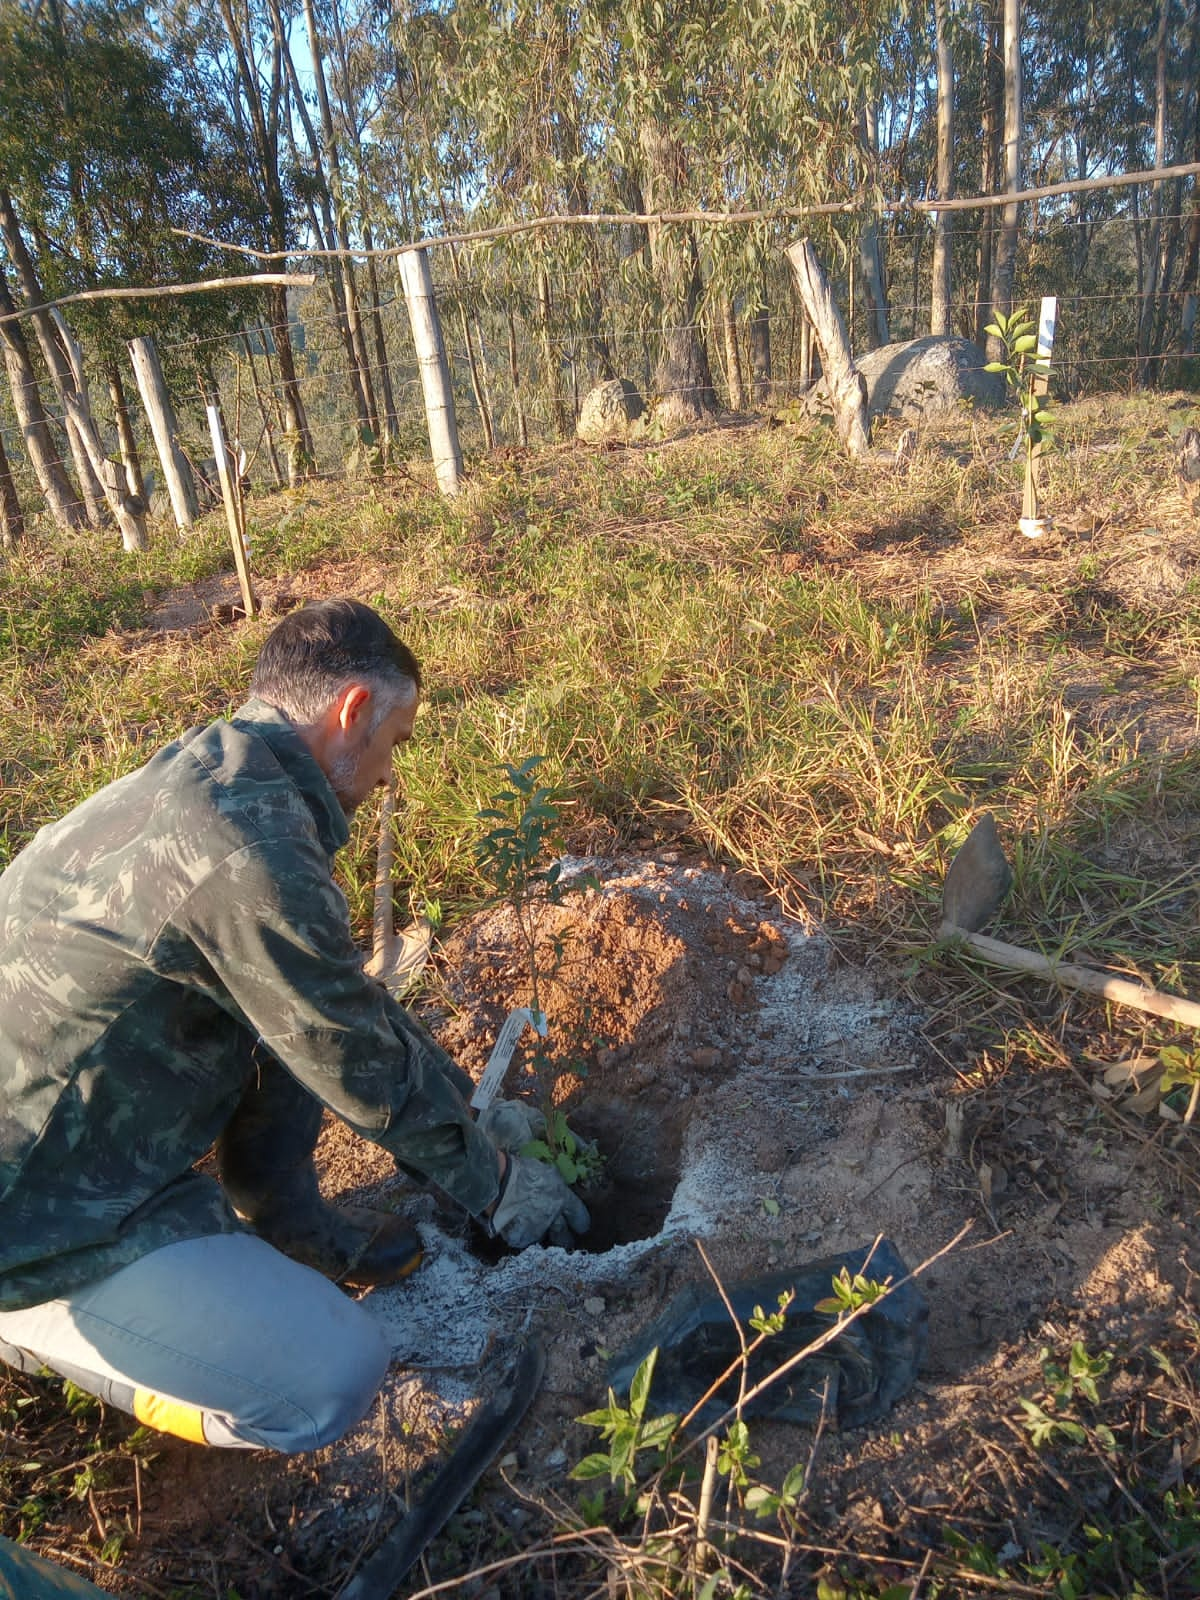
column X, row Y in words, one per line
column 942, row 271
column 498, row 124
column 62, row 500
column 103, row 157
column 12, row 522
column 1091, row 109
column 1005, row 261
column 316, row 183
column 98, row 155
column 363, row 66
column 239, row 61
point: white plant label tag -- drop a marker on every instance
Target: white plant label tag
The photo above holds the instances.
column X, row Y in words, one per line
column 515, row 1023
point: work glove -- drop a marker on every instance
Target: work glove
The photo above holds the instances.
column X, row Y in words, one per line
column 511, row 1124
column 536, row 1204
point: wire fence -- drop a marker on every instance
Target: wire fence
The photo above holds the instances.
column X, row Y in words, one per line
column 525, row 344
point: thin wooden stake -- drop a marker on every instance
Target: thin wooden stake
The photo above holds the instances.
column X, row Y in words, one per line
column 704, row 1512
column 233, row 508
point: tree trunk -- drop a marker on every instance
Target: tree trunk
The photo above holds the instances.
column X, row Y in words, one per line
column 760, row 348
column 264, row 414
column 89, row 483
column 271, row 392
column 733, row 356
column 324, row 229
column 514, row 373
column 481, row 399
column 806, row 354
column 301, row 458
column 63, row 357
column 847, row 391
column 939, row 301
column 1004, row 268
column 128, row 510
column 390, row 420
column 991, row 120
column 558, row 408
column 874, row 299
column 12, row 524
column 1152, row 280
column 164, row 430
column 870, row 255
column 1187, row 282
column 416, row 281
column 1191, row 246
column 62, row 502
column 130, row 461
column 349, row 287
column 683, row 378
column 264, row 125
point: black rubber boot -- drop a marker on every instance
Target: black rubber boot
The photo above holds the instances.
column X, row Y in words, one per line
column 265, row 1156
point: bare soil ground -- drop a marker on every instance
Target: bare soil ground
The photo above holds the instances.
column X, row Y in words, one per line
column 755, row 1091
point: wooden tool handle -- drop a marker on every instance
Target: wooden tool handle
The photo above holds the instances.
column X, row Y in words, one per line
column 1120, row 991
column 383, row 952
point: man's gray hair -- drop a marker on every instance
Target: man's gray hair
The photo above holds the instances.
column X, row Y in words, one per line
column 318, row 652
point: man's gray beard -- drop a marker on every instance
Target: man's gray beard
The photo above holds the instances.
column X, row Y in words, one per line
column 341, row 775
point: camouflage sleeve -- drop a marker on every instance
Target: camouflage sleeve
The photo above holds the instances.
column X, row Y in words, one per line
column 273, row 930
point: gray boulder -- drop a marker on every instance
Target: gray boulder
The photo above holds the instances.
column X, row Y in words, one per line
column 924, row 378
column 609, row 411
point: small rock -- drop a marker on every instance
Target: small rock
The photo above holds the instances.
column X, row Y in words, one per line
column 557, row 1459
column 706, row 1058
column 594, row 1306
column 772, row 965
column 745, row 977
column 608, row 412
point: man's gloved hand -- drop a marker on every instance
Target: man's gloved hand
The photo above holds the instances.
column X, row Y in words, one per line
column 536, row 1204
column 510, row 1124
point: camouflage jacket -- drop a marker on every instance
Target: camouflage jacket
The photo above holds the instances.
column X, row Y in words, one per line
column 146, row 941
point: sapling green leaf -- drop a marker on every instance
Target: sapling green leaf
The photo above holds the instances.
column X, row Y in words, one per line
column 627, row 1430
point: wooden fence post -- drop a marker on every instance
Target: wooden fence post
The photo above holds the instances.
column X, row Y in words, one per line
column 231, row 494
column 157, row 402
column 416, row 280
column 846, row 389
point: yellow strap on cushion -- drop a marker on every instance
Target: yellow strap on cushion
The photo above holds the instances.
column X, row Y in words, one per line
column 168, row 1416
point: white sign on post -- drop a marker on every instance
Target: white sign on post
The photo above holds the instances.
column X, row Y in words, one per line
column 1047, row 322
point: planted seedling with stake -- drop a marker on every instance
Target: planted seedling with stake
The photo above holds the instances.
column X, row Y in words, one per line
column 515, row 856
column 1025, row 369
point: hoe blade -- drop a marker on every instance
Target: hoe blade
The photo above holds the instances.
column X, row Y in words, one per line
column 978, row 879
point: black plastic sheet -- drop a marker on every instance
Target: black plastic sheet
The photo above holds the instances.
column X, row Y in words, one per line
column 856, row 1378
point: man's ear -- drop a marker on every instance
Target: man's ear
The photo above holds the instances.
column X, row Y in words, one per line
column 351, row 705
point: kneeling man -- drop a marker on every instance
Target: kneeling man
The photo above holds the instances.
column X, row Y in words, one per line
column 177, row 969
